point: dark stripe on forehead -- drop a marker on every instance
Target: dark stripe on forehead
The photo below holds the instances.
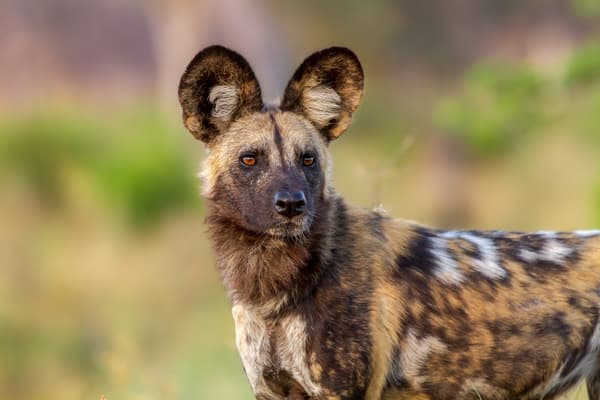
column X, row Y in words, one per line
column 277, row 137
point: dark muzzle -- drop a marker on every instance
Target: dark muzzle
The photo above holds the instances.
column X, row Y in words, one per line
column 290, row 204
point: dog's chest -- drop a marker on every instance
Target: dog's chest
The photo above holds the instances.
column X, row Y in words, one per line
column 273, row 349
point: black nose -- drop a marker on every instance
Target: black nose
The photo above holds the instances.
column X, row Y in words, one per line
column 290, row 204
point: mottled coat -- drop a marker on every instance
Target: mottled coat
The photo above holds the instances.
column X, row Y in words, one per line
column 335, row 302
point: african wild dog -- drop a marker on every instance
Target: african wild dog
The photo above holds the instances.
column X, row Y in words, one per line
column 335, row 302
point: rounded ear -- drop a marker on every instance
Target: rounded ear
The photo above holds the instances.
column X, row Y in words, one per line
column 217, row 87
column 326, row 89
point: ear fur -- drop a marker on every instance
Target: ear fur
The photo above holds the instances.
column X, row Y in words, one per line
column 326, row 89
column 217, row 87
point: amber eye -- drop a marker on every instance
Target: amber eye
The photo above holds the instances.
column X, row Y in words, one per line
column 308, row 161
column 248, row 160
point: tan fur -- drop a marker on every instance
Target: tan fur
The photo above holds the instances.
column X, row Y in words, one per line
column 385, row 319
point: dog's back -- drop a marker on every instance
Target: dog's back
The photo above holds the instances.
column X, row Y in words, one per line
column 490, row 314
column 335, row 302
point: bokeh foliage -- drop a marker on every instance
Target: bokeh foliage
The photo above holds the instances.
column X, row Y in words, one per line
column 498, row 106
column 128, row 157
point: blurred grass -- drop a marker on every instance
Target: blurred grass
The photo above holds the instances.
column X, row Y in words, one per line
column 109, row 285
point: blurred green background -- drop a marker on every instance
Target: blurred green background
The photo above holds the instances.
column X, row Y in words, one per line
column 477, row 114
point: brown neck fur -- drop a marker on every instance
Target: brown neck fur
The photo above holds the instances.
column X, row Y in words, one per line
column 258, row 269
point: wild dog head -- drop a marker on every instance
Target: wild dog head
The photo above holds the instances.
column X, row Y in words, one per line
column 268, row 166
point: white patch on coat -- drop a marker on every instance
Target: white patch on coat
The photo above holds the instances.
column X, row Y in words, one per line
column 292, row 353
column 553, row 251
column 452, row 234
column 488, row 264
column 254, row 347
column 447, row 267
column 224, row 99
column 587, row 233
column 415, row 353
column 321, row 104
column 547, row 234
column 528, row 255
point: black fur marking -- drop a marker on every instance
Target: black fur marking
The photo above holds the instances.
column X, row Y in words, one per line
column 339, row 314
column 277, row 138
column 553, row 324
column 418, row 255
column 395, row 377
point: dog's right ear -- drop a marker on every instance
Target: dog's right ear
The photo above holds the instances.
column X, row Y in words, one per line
column 217, row 87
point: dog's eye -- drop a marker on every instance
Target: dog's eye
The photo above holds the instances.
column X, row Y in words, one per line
column 248, row 160
column 308, row 160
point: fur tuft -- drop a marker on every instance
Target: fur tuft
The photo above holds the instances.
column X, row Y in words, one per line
column 225, row 100
column 322, row 105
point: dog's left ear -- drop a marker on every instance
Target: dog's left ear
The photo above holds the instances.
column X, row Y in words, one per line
column 326, row 89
